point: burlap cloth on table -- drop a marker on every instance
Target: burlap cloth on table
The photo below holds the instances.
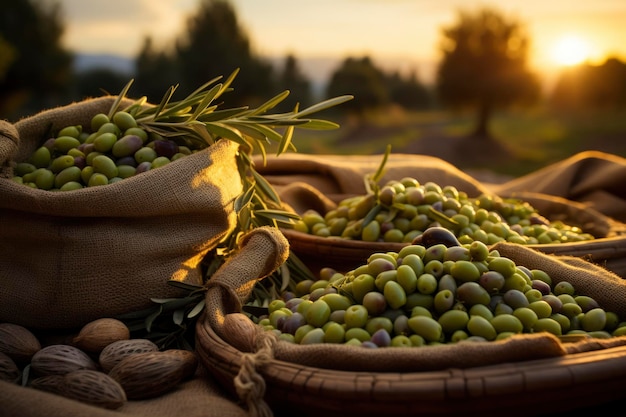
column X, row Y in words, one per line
column 260, row 253
column 199, row 397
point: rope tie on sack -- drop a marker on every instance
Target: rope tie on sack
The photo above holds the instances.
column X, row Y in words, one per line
column 249, row 384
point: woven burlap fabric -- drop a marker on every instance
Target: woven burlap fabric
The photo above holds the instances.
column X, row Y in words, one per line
column 199, row 397
column 593, row 178
column 262, row 251
column 67, row 258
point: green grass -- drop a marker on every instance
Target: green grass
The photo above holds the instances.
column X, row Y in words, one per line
column 535, row 137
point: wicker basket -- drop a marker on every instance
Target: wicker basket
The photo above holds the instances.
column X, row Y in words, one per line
column 608, row 249
column 530, row 388
column 525, row 375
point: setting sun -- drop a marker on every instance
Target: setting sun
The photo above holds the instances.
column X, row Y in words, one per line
column 571, row 50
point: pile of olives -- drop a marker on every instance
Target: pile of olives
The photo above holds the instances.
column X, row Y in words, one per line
column 116, row 149
column 428, row 295
column 402, row 210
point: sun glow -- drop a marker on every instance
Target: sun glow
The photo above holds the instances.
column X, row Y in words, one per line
column 571, row 50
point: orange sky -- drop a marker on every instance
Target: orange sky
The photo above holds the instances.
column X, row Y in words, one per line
column 393, row 32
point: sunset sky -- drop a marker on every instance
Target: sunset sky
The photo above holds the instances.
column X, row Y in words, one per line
column 394, row 33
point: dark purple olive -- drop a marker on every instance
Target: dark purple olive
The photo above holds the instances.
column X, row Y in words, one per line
column 80, row 162
column 554, row 301
column 143, row 167
column 165, row 148
column 381, row 338
column 540, row 285
column 126, row 160
column 292, row 323
column 436, row 235
column 492, row 281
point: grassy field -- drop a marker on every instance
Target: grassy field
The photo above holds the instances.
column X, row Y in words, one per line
column 528, row 139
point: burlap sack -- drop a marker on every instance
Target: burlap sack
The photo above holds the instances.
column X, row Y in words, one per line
column 67, row 258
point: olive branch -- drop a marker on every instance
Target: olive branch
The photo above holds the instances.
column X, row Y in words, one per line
column 197, row 121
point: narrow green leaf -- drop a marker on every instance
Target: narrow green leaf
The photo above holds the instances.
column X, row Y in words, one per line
column 271, row 103
column 206, row 102
column 164, row 100
column 244, row 199
column 197, row 309
column 26, row 375
column 251, row 131
column 163, row 300
column 226, row 114
column 265, row 186
column 282, row 216
column 224, row 131
column 371, row 215
column 203, row 87
column 178, row 316
column 285, row 143
column 324, row 105
column 379, row 172
column 116, row 104
column 184, row 285
column 316, row 124
column 150, row 319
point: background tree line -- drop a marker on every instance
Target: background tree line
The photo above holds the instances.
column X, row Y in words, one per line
column 483, row 68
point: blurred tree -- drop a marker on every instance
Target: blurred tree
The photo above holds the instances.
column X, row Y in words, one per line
column 40, row 71
column 360, row 78
column 292, row 79
column 409, row 93
column 586, row 86
column 215, row 45
column 7, row 57
column 155, row 71
column 484, row 65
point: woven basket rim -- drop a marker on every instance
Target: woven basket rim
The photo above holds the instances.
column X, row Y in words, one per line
column 484, row 387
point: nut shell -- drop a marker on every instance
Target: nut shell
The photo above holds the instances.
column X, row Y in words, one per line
column 96, row 335
column 93, row 387
column 240, row 331
column 19, row 343
column 48, row 383
column 115, row 352
column 151, row 374
column 60, row 360
column 9, row 371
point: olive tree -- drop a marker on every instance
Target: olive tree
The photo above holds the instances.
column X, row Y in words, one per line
column 484, row 65
column 361, row 78
column 215, row 44
column 37, row 69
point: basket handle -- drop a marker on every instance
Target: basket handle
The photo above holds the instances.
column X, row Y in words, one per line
column 261, row 252
column 9, row 144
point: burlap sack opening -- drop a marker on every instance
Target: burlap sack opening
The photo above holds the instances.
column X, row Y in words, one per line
column 528, row 374
column 67, row 258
